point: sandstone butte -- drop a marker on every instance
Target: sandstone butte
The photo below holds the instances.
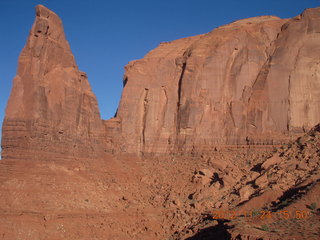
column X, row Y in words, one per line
column 217, row 99
column 252, row 82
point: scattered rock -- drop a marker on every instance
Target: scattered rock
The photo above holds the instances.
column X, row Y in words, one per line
column 262, row 181
column 271, row 161
column 246, row 192
column 206, row 172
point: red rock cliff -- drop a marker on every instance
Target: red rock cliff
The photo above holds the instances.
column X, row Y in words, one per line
column 254, row 81
column 52, row 110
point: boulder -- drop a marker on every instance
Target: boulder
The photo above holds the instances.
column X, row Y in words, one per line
column 246, row 192
column 271, row 161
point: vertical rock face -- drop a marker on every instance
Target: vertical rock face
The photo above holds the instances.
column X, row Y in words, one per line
column 255, row 81
column 51, row 109
column 286, row 95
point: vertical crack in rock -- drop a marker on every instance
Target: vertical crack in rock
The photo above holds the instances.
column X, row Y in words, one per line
column 144, row 119
column 260, row 82
column 164, row 109
column 183, row 69
column 178, row 112
column 289, row 114
column 79, row 110
column 231, row 114
column 230, row 73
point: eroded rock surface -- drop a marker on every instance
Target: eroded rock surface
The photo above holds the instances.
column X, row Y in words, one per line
column 52, row 111
column 254, row 81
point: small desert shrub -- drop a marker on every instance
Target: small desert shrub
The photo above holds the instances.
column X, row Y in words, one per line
column 265, row 228
column 313, row 206
column 283, row 203
column 256, row 212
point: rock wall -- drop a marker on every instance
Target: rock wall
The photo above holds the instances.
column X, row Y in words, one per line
column 52, row 111
column 254, row 81
column 251, row 82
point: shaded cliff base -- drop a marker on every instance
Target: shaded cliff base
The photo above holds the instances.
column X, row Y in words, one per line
column 125, row 197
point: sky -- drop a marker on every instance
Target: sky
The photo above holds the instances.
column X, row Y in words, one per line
column 105, row 35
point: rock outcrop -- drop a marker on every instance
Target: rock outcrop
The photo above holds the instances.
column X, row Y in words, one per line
column 52, row 111
column 252, row 82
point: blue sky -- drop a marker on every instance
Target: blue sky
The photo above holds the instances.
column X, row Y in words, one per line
column 106, row 34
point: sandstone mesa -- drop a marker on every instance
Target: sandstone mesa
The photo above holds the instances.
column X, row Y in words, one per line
column 254, row 81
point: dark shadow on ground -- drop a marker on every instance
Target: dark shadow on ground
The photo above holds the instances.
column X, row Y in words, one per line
column 219, row 232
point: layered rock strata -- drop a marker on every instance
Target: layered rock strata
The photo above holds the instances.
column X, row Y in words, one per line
column 51, row 111
column 252, row 82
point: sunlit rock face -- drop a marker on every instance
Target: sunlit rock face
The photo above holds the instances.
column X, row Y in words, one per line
column 254, row 81
column 52, row 110
column 251, row 82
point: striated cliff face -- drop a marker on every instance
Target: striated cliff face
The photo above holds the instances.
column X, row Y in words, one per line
column 254, row 81
column 51, row 109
